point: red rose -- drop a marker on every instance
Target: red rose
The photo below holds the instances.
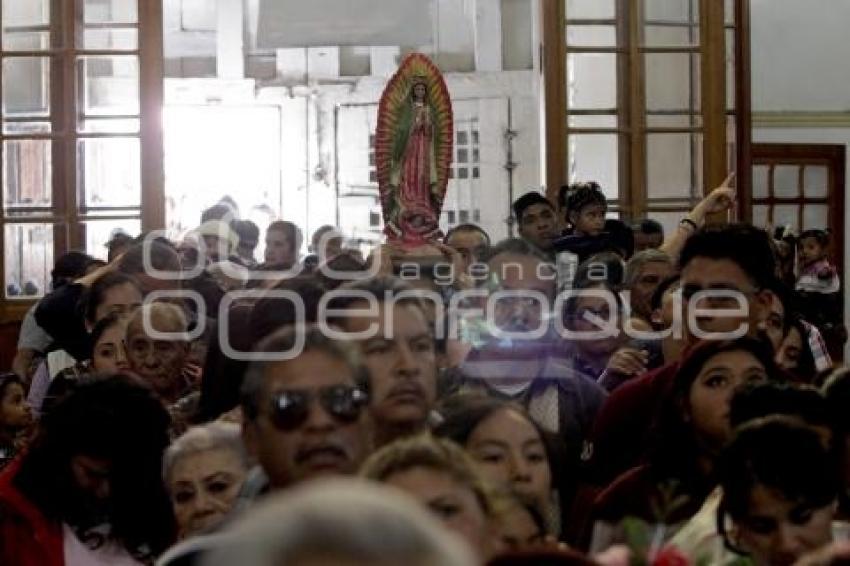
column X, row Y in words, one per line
column 670, row 556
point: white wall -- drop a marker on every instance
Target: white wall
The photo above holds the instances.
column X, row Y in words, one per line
column 800, row 66
column 799, row 55
column 468, row 35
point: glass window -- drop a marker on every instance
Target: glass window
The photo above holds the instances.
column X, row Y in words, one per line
column 28, row 250
column 760, row 215
column 25, row 13
column 760, row 181
column 815, row 181
column 48, row 168
column 787, row 215
column 26, row 87
column 592, row 121
column 110, row 173
column 111, row 84
column 673, row 165
column 111, row 11
column 786, row 181
column 815, row 216
column 672, row 81
column 27, row 178
column 591, row 36
column 111, row 39
column 672, row 11
column 671, row 35
column 592, row 80
column 594, row 157
column 590, row 9
column 110, row 125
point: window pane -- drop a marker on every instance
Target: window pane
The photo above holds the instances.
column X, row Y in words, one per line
column 815, row 181
column 676, row 36
column 28, row 250
column 17, row 13
column 786, row 181
column 26, row 127
column 116, row 39
column 729, row 6
column 592, row 36
column 110, row 126
column 595, row 157
column 673, row 165
column 99, row 232
column 26, row 87
column 110, row 173
column 786, row 215
column 26, row 173
column 111, row 11
column 815, row 216
column 682, row 11
column 592, row 80
column 590, row 9
column 760, row 180
column 760, row 215
column 25, row 40
column 592, row 121
column 111, row 84
column 672, row 82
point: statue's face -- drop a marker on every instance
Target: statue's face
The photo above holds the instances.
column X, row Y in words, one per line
column 419, row 91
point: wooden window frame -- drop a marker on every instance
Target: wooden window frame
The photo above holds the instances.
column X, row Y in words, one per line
column 65, row 214
column 633, row 194
column 832, row 156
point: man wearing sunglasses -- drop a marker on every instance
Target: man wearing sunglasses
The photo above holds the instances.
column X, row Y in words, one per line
column 305, row 417
column 400, row 354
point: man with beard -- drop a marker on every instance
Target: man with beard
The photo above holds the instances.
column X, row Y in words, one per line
column 305, row 417
column 89, row 491
column 399, row 351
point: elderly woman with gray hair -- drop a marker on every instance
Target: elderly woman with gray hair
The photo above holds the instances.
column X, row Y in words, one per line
column 204, row 470
column 339, row 522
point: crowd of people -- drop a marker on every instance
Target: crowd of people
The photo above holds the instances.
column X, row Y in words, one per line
column 587, row 393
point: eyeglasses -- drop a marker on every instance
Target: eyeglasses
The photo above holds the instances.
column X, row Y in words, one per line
column 290, row 408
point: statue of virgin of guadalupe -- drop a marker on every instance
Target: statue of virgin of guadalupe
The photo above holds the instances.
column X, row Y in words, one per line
column 413, row 146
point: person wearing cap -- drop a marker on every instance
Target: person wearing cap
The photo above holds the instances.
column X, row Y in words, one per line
column 220, row 240
column 536, row 220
